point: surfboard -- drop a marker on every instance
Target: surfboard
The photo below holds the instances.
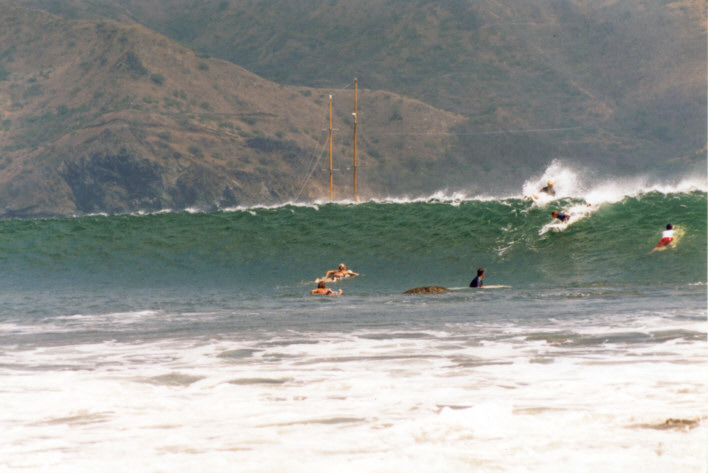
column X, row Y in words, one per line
column 678, row 233
column 556, row 226
column 490, row 286
column 327, row 279
column 576, row 213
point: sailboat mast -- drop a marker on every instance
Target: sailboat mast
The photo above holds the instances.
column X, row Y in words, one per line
column 356, row 122
column 330, row 148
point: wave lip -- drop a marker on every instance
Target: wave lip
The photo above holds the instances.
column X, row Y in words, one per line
column 570, row 182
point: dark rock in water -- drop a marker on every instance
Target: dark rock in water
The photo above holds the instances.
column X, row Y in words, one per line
column 677, row 424
column 427, row 290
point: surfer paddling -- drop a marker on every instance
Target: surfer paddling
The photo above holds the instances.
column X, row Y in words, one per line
column 341, row 272
column 323, row 290
column 667, row 237
column 561, row 215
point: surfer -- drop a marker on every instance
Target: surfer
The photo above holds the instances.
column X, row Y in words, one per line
column 339, row 273
column 477, row 282
column 562, row 216
column 323, row 290
column 548, row 190
column 667, row 236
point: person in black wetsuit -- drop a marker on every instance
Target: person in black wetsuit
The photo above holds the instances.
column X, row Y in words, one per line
column 548, row 189
column 477, row 282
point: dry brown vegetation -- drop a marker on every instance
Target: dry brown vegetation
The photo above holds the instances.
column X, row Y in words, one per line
column 103, row 116
column 618, row 86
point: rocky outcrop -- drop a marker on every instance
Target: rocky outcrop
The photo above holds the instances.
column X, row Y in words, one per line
column 427, row 290
column 674, row 424
column 131, row 64
column 113, row 182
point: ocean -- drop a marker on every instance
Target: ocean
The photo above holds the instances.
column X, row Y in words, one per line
column 188, row 341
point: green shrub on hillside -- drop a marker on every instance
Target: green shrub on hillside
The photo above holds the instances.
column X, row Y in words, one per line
column 395, row 115
column 196, row 151
column 168, row 102
column 33, row 90
column 157, row 78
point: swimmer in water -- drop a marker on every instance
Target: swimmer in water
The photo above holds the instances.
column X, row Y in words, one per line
column 339, row 273
column 323, row 290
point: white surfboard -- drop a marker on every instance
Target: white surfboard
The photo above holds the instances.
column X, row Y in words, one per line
column 490, row 286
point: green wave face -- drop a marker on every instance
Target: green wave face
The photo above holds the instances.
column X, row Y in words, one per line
column 393, row 245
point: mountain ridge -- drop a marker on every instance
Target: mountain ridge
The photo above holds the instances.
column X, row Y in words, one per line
column 150, row 125
column 480, row 96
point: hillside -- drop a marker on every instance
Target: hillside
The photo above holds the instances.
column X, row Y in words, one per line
column 619, row 84
column 110, row 116
column 99, row 116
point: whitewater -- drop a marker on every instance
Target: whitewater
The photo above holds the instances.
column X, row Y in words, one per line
column 188, row 341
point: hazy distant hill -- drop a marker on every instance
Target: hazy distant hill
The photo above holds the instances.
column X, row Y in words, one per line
column 619, row 85
column 635, row 67
column 629, row 76
column 98, row 116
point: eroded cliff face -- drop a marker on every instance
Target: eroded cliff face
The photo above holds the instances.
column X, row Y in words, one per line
column 115, row 174
column 124, row 182
column 113, row 182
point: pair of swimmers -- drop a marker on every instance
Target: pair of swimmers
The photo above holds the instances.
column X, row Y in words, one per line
column 333, row 275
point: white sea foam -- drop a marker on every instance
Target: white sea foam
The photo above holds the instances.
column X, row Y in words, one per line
column 576, row 213
column 571, row 182
column 367, row 400
column 80, row 322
